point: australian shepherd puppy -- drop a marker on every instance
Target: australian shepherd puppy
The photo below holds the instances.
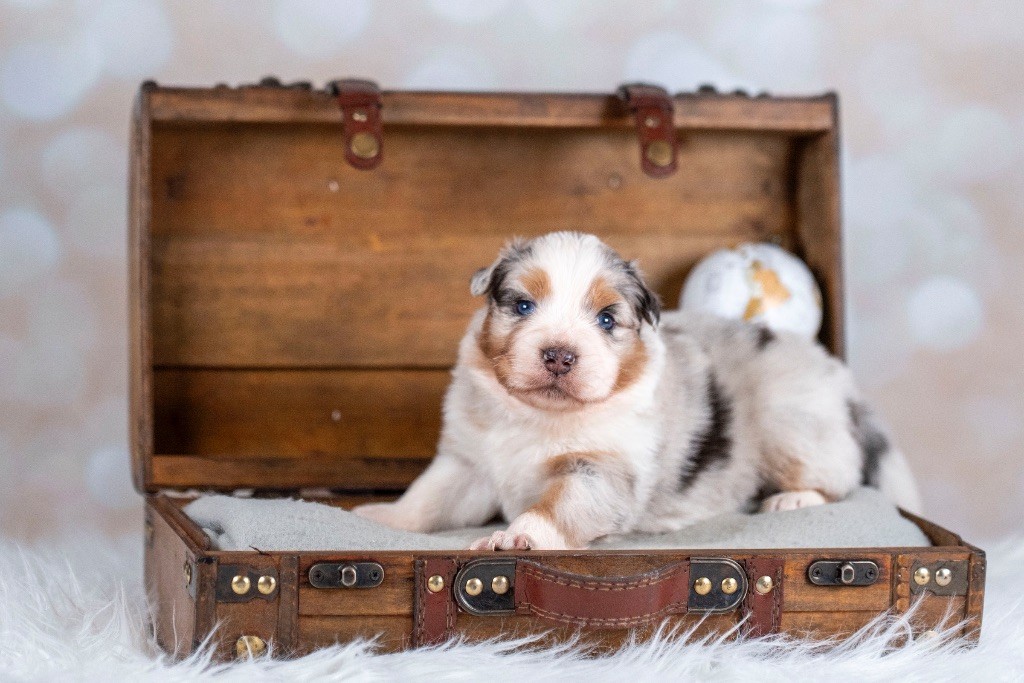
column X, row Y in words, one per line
column 577, row 410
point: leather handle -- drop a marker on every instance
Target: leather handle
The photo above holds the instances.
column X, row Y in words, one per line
column 597, row 602
column 362, row 128
column 652, row 110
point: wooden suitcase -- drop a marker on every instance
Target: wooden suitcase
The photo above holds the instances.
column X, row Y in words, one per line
column 299, row 269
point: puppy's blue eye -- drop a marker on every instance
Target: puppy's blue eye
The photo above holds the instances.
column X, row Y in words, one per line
column 605, row 321
column 525, row 307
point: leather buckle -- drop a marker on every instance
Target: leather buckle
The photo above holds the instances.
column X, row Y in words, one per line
column 362, row 128
column 652, row 111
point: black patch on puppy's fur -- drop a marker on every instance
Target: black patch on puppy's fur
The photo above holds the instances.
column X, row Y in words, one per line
column 645, row 303
column 872, row 442
column 711, row 445
column 764, row 337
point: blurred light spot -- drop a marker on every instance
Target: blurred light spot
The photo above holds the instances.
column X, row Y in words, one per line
column 134, row 37
column 890, row 82
column 29, row 249
column 677, row 62
column 793, row 4
column 46, row 374
column 554, row 15
column 453, row 69
column 879, row 347
column 80, row 158
column 944, row 313
column 106, row 422
column 974, row 144
column 62, row 313
column 320, row 28
column 96, row 223
column 468, row 11
column 44, row 81
column 108, row 478
column 995, row 423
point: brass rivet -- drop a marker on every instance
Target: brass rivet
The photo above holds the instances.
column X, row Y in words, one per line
column 250, row 646
column 474, row 586
column 764, row 585
column 499, row 584
column 729, row 585
column 349, row 576
column 266, row 584
column 922, row 575
column 702, row 586
column 240, row 584
column 943, row 576
column 364, row 145
column 188, row 573
column 359, row 115
column 435, row 583
column 652, row 121
column 659, row 153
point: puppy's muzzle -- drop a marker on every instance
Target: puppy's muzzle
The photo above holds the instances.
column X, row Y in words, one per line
column 558, row 361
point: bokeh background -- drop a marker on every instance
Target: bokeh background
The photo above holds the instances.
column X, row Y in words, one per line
column 933, row 116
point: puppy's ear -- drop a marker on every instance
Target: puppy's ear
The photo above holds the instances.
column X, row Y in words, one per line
column 489, row 279
column 645, row 303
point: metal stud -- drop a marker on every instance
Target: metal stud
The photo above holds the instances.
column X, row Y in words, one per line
column 241, row 584
column 702, row 586
column 659, row 153
column 474, row 586
column 250, row 646
column 729, row 585
column 364, row 145
column 943, row 576
column 764, row 585
column 922, row 575
column 266, row 584
column 435, row 584
column 499, row 584
column 349, row 576
column 188, row 573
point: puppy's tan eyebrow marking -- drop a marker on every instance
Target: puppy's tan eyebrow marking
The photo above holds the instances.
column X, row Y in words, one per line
column 536, row 283
column 601, row 295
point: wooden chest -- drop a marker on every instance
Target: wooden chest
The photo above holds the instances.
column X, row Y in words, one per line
column 299, row 269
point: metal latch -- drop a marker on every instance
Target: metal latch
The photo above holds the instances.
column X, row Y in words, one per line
column 653, row 114
column 843, row 573
column 346, row 575
column 360, row 105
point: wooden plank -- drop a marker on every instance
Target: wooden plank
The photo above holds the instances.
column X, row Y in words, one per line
column 299, row 414
column 376, row 273
column 227, row 474
column 826, row 623
column 391, row 633
column 394, row 597
column 693, row 111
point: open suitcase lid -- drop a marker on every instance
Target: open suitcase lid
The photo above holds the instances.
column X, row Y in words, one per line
column 300, row 258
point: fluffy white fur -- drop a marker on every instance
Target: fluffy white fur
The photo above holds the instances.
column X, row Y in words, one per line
column 73, row 610
column 573, row 431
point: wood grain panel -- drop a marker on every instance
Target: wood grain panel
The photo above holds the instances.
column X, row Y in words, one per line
column 336, row 414
column 394, row 597
column 332, row 266
column 825, row 624
column 392, row 633
column 694, row 111
column 804, row 596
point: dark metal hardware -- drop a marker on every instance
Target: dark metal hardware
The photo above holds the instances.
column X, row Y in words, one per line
column 346, row 575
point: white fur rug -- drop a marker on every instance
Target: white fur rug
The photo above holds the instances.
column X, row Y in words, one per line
column 74, row 610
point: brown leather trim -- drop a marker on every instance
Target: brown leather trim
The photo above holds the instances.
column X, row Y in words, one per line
column 288, row 605
column 763, row 612
column 433, row 613
column 653, row 112
column 587, row 601
column 360, row 104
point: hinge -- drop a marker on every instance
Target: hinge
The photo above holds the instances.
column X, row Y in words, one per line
column 652, row 111
column 360, row 105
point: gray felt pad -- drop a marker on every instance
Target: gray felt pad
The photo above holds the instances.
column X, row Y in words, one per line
column 864, row 519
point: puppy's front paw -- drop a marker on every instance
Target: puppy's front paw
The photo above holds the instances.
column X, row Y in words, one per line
column 792, row 500
column 388, row 514
column 503, row 540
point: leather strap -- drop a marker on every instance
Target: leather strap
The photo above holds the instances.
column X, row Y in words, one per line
column 587, row 601
column 433, row 613
column 651, row 107
column 362, row 129
column 763, row 610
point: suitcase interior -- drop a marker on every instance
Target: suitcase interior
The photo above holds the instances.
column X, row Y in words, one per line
column 294, row 320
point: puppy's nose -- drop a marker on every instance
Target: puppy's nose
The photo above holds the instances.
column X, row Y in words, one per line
column 558, row 361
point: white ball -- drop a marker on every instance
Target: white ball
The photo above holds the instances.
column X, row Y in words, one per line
column 758, row 283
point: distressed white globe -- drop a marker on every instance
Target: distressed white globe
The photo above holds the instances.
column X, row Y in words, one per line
column 757, row 283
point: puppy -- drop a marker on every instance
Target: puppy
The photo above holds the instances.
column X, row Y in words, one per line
column 576, row 410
